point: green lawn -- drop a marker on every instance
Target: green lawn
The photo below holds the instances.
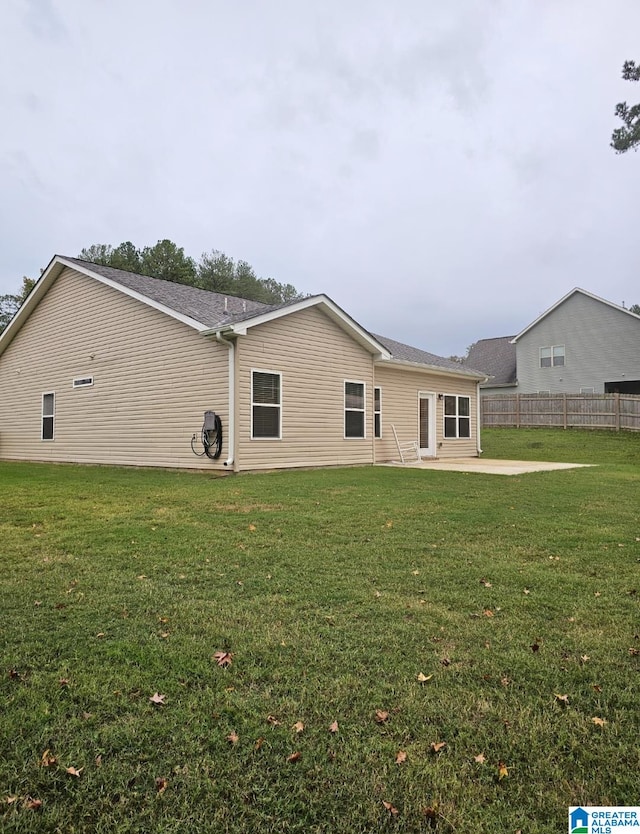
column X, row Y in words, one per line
column 517, row 598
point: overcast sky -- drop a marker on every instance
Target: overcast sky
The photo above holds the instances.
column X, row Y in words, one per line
column 441, row 170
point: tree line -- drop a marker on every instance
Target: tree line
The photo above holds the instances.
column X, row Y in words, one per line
column 215, row 271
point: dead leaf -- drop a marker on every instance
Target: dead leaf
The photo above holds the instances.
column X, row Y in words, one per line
column 431, row 814
column 424, row 678
column 162, row 783
column 381, row 716
column 634, row 652
column 485, row 583
column 596, row 687
column 333, row 728
column 259, row 743
column 32, row 804
column 64, row 682
column 72, row 771
column 563, row 700
column 223, row 659
column 294, row 757
column 480, row 759
column 446, row 661
column 377, row 594
column 488, row 612
column 389, row 524
column 438, row 746
column 98, row 760
column 526, row 591
column 298, row 727
column 505, row 681
column 584, row 658
column 599, row 722
column 271, row 719
column 48, row 760
column 233, row 737
column 502, row 771
column 390, row 808
column 597, row 594
column 415, row 572
column 252, row 528
column 401, row 757
column 157, row 699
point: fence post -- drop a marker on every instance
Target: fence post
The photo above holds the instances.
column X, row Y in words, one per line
column 564, row 411
column 517, row 411
column 616, row 401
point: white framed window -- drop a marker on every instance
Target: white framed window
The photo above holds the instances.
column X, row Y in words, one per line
column 83, row 382
column 354, row 409
column 266, row 405
column 457, row 416
column 377, row 412
column 552, row 356
column 48, row 415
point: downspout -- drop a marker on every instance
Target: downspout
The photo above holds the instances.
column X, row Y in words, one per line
column 478, row 416
column 231, row 432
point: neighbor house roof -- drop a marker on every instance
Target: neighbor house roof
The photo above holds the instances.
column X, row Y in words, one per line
column 567, row 296
column 405, row 353
column 496, row 357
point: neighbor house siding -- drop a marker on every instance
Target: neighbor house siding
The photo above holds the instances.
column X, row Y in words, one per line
column 400, row 390
column 602, row 344
column 153, row 379
column 315, row 357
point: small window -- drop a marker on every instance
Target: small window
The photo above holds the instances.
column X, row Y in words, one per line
column 457, row 416
column 552, row 356
column 48, row 414
column 354, row 410
column 586, row 391
column 83, row 382
column 266, row 405
column 377, row 412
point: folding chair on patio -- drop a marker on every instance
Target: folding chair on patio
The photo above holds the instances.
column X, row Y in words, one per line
column 409, row 451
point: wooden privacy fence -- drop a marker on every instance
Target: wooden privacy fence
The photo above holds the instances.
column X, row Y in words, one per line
column 566, row 411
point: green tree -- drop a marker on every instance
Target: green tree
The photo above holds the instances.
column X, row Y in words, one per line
column 627, row 137
column 635, row 308
column 167, row 261
column 10, row 304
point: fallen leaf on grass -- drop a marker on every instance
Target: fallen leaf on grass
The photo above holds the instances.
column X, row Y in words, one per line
column 252, row 528
column 64, row 682
column 599, row 722
column 563, row 700
column 480, row 758
column 161, row 784
column 438, row 746
column 485, row 583
column 73, row 771
column 233, row 737
column 401, row 757
column 333, row 728
column 446, row 661
column 223, row 659
column 298, row 727
column 526, row 591
column 381, row 716
column 488, row 612
column 259, row 743
column 157, row 699
column 48, row 760
column 390, row 808
column 32, row 804
column 584, row 658
column 424, row 678
column 294, row 757
column 502, row 771
column 634, row 652
column 271, row 719
column 596, row 687
column 98, row 760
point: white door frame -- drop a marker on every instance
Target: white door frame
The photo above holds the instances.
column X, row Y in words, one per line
column 428, row 451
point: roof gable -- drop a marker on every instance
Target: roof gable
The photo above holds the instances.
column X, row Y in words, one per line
column 496, row 357
column 566, row 298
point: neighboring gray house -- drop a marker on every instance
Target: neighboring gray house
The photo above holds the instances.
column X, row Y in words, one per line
column 582, row 344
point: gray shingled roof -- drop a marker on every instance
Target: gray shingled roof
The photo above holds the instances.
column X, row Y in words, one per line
column 203, row 306
column 208, row 308
column 411, row 354
column 496, row 358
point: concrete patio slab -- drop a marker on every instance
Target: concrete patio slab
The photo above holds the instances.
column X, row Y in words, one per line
column 489, row 466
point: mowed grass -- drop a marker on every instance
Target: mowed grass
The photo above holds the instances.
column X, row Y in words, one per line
column 334, row 590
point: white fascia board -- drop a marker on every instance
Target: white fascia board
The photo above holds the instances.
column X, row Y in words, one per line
column 562, row 300
column 438, row 370
column 324, row 303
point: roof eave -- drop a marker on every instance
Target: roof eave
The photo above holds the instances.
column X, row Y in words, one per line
column 434, row 369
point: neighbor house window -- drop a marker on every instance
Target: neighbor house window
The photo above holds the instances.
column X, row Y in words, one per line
column 266, row 405
column 377, row 412
column 457, row 416
column 354, row 411
column 48, row 413
column 552, row 356
column 586, row 390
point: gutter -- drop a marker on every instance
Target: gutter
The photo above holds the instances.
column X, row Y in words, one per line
column 478, row 415
column 231, row 437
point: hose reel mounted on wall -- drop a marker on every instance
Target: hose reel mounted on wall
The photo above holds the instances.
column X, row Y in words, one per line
column 210, row 437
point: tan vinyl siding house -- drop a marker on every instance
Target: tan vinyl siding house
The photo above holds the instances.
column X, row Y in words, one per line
column 105, row 366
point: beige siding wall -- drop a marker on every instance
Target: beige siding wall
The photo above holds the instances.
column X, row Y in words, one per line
column 153, row 379
column 314, row 356
column 400, row 391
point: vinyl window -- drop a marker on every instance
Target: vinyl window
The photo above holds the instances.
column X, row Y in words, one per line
column 354, row 409
column 48, row 415
column 552, row 356
column 457, row 416
column 377, row 412
column 266, row 405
